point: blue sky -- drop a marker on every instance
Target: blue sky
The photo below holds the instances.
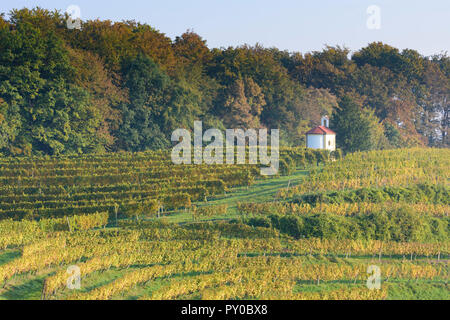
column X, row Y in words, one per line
column 293, row 25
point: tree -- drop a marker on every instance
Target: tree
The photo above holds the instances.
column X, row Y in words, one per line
column 436, row 103
column 379, row 55
column 9, row 129
column 47, row 111
column 146, row 84
column 357, row 129
column 282, row 94
column 104, row 94
column 190, row 48
column 393, row 135
column 242, row 104
column 329, row 68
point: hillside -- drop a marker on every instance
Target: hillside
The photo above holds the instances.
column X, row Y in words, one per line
column 309, row 234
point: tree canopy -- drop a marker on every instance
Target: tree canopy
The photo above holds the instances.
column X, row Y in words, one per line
column 114, row 86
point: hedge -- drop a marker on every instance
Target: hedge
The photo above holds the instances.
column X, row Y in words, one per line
column 399, row 224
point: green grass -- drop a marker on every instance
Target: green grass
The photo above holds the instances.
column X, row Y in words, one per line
column 25, row 287
column 419, row 290
column 261, row 191
column 8, row 255
column 21, row 287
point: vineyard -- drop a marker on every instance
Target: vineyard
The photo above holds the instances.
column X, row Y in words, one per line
column 136, row 226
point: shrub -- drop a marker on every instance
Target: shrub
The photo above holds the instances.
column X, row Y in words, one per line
column 399, row 224
column 423, row 193
column 287, row 166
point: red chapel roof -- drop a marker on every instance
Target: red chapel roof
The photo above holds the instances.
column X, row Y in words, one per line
column 321, row 130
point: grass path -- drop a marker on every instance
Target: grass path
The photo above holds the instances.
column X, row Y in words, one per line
column 261, row 191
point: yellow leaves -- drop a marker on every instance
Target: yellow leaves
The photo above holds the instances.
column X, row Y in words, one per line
column 390, row 167
column 223, row 274
column 209, row 211
column 343, row 209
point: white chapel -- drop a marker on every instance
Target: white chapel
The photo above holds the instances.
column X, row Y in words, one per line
column 321, row 137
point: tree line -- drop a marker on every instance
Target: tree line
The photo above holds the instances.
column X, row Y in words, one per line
column 113, row 86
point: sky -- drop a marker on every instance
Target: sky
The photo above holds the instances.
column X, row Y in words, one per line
column 292, row 25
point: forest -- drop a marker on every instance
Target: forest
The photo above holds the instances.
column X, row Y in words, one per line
column 125, row 86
